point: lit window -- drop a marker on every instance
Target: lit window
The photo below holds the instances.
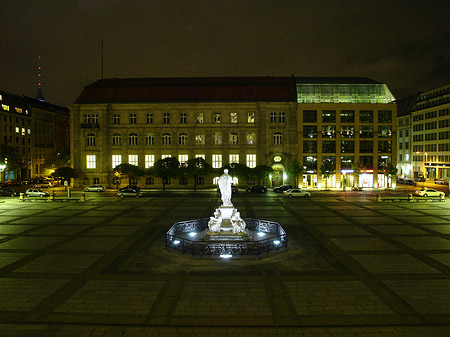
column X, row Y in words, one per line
column 217, row 138
column 91, row 161
column 17, row 129
column 133, row 159
column 23, row 132
column 29, row 131
column 18, row 110
column 182, row 158
column 164, row 156
column 251, row 160
column 116, row 160
column 5, row 107
column 200, row 156
column 251, row 138
column 234, row 158
column 149, row 160
column 251, row 117
column 200, row 118
column 233, row 117
column 216, row 117
column 200, row 138
column 234, row 138
column 216, row 160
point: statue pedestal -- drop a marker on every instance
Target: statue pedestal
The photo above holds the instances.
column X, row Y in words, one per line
column 226, row 212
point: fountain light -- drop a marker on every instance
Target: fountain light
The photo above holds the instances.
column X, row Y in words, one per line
column 226, row 256
column 277, row 242
column 192, row 234
column 176, row 242
column 261, row 234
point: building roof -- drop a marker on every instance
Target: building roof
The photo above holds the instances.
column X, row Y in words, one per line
column 22, row 101
column 406, row 105
column 190, row 89
column 336, row 80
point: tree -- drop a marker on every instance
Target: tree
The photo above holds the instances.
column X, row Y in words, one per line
column 64, row 172
column 261, row 172
column 165, row 168
column 357, row 167
column 389, row 171
column 59, row 157
column 132, row 171
column 197, row 167
column 296, row 169
column 237, row 170
column 9, row 158
column 327, row 170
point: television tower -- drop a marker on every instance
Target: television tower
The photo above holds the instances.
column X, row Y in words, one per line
column 39, row 96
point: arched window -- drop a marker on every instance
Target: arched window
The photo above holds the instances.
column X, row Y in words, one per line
column 96, row 181
column 182, row 139
column 149, row 139
column 166, row 139
column 117, row 139
column 149, row 181
column 183, row 181
column 277, row 138
column 90, row 139
column 234, row 138
column 133, row 139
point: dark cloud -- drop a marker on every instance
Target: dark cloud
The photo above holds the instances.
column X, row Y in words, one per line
column 402, row 43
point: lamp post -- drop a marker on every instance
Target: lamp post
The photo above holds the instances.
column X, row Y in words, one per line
column 425, row 165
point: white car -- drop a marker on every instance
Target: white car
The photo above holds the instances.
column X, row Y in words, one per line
column 296, row 193
column 34, row 192
column 429, row 192
column 94, row 188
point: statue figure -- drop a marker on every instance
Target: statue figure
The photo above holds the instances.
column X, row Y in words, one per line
column 215, row 221
column 225, row 182
column 237, row 223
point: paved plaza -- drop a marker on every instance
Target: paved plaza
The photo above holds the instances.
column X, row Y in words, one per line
column 353, row 267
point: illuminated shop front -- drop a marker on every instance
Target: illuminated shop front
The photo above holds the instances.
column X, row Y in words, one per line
column 366, row 178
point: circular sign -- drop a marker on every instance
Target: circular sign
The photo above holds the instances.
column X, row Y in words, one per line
column 277, row 159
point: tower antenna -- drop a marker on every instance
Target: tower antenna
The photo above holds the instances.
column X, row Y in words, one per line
column 39, row 89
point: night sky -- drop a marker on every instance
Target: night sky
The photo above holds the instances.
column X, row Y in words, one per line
column 405, row 44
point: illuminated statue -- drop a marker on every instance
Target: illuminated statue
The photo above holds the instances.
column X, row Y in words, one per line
column 225, row 182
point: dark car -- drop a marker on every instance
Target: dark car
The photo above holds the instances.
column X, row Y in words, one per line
column 282, row 188
column 8, row 192
column 257, row 189
column 409, row 181
column 419, row 179
column 130, row 187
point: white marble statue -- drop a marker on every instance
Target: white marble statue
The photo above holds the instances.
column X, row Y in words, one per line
column 215, row 222
column 225, row 182
column 237, row 222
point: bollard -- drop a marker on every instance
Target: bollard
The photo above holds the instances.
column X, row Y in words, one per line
column 409, row 197
column 83, row 197
column 21, row 197
column 379, row 198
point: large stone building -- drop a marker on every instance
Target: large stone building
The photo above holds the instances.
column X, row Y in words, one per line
column 424, row 143
column 254, row 121
column 33, row 128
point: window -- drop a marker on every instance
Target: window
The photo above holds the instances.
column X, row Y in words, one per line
column 182, row 158
column 233, row 117
column 116, row 160
column 310, row 163
column 133, row 119
column 328, row 131
column 183, row 181
column 200, row 181
column 329, row 146
column 117, row 139
column 164, row 156
column 216, row 160
column 96, row 181
column 133, row 139
column 273, row 117
column 217, row 138
column 346, row 162
column 216, row 117
column 183, row 118
column 200, row 118
column 309, row 116
column 281, row 117
column 385, row 116
column 347, row 146
column 199, row 138
column 149, row 160
column 328, row 116
column 149, row 118
column 400, row 146
column 347, row 131
column 367, row 162
column 233, row 158
column 91, row 161
column 149, row 181
column 182, row 138
column 166, row 118
column 347, row 116
column 250, row 117
column 87, row 119
column 116, row 119
column 277, row 138
column 385, row 131
column 166, row 139
column 309, row 146
column 366, row 116
column 234, row 138
column 90, row 139
column 366, row 146
column 200, row 156
column 385, row 146
column 150, row 139
column 310, row 131
column 251, row 138
column 133, row 159
column 251, row 160
column 366, row 131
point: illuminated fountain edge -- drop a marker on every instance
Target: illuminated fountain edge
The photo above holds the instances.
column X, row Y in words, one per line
column 193, row 237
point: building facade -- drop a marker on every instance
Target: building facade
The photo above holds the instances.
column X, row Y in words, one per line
column 33, row 129
column 250, row 121
column 274, row 121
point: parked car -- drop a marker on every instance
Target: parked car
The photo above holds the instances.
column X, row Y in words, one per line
column 282, row 188
column 94, row 188
column 34, row 192
column 295, row 192
column 429, row 192
column 128, row 192
column 8, row 192
column 234, row 189
column 132, row 187
column 419, row 179
column 441, row 181
column 409, row 181
column 257, row 189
